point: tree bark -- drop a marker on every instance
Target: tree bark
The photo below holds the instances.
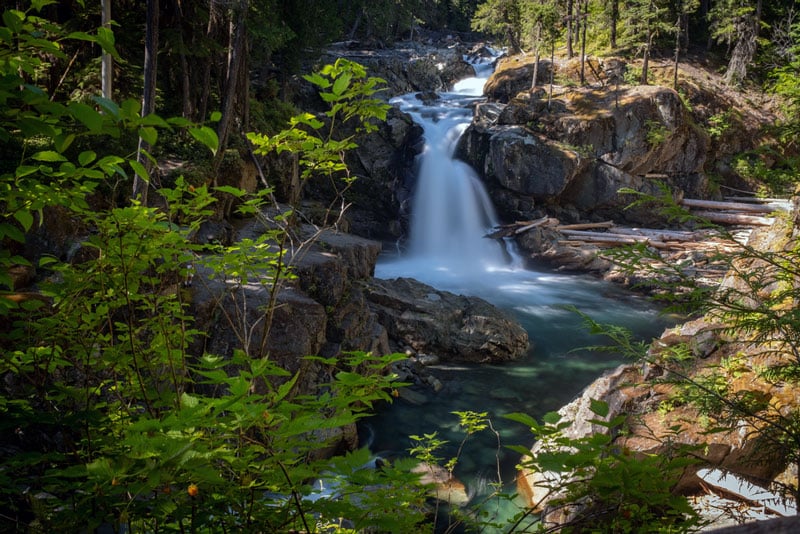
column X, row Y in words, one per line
column 570, row 52
column 745, row 49
column 186, row 83
column 537, row 39
column 614, row 19
column 140, row 183
column 677, row 46
column 107, row 66
column 205, row 90
column 237, row 51
column 584, row 22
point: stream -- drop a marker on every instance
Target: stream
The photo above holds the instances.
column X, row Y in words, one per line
column 446, row 249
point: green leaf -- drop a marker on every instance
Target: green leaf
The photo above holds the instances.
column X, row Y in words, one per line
column 551, row 418
column 154, row 120
column 235, row 191
column 49, row 156
column 63, row 141
column 206, row 136
column 105, row 38
column 523, row 418
column 318, row 80
column 180, row 122
column 341, row 84
column 90, row 117
column 25, row 170
column 32, row 126
column 131, row 108
column 39, row 4
column 139, row 169
column 109, row 106
column 519, row 449
column 215, row 116
column 285, row 389
column 599, row 407
column 13, row 19
column 86, row 157
column 24, row 218
column 149, row 135
column 12, row 232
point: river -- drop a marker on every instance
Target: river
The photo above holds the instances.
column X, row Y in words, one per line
column 446, row 249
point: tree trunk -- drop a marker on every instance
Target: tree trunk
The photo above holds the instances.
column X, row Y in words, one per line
column 584, row 23
column 205, row 89
column 570, row 52
column 186, row 83
column 614, row 19
column 140, row 183
column 677, row 46
column 352, row 34
column 552, row 72
column 237, row 51
column 745, row 49
column 107, row 65
column 535, row 79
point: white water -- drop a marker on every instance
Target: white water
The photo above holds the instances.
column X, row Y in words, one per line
column 446, row 249
column 451, row 211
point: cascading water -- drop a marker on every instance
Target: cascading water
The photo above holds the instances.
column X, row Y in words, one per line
column 451, row 214
column 451, row 211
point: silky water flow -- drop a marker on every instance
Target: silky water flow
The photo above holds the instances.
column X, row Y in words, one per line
column 451, row 214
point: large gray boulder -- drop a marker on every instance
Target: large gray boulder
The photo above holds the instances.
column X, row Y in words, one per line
column 454, row 327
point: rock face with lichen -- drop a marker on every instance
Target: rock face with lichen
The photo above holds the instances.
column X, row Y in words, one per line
column 571, row 153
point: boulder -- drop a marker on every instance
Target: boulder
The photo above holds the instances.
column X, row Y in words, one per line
column 444, row 486
column 579, row 149
column 383, row 164
column 455, row 327
column 321, row 311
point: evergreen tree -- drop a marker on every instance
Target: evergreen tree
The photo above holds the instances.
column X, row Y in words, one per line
column 736, row 24
column 541, row 24
column 645, row 20
column 500, row 18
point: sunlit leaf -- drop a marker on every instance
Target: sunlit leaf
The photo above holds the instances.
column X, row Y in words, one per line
column 206, row 136
column 49, row 156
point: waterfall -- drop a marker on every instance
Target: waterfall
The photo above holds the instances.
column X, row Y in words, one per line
column 451, row 211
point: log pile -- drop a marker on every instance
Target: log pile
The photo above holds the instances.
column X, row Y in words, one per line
column 736, row 212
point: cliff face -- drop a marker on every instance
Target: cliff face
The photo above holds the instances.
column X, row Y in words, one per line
column 569, row 151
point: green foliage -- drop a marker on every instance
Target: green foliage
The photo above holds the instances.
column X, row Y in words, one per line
column 757, row 308
column 501, row 19
column 657, row 133
column 719, row 124
column 776, row 178
column 601, row 487
column 320, row 143
column 109, row 419
column 633, row 75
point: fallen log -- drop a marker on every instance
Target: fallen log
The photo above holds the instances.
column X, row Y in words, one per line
column 516, row 228
column 726, row 206
column 758, row 200
column 612, row 239
column 664, row 235
column 585, row 226
column 735, row 218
